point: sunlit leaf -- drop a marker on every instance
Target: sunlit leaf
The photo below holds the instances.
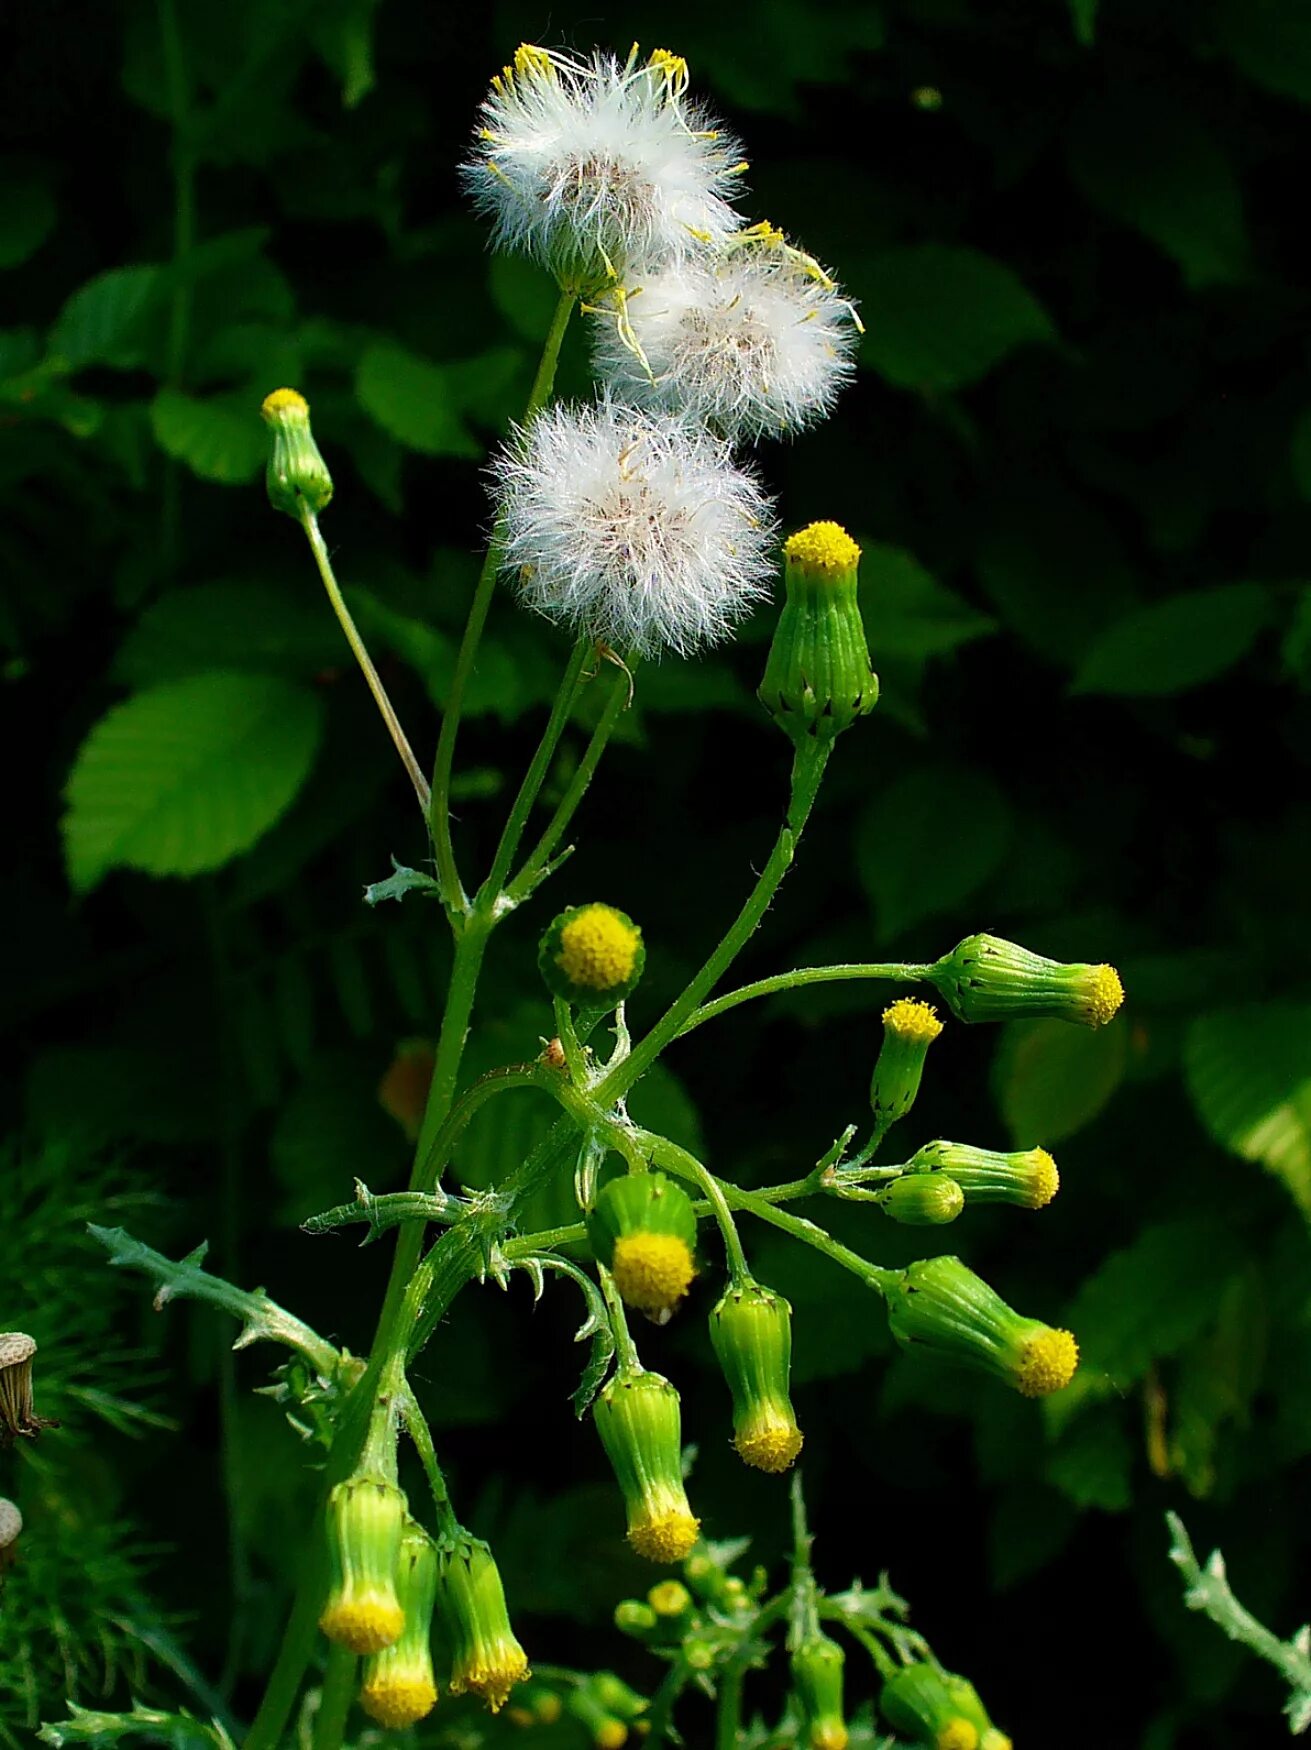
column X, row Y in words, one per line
column 220, row 438
column 106, row 321
column 1249, row 1073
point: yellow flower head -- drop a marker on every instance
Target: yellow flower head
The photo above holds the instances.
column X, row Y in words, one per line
column 1046, row 1180
column 911, row 1019
column 652, row 1271
column 398, row 1701
column 1103, row 995
column 1048, row 1363
column 664, row 1535
column 771, row 1443
column 829, row 1735
column 822, row 551
column 592, row 954
column 284, row 404
column 643, row 1229
column 958, row 1734
column 365, row 1525
column 611, row 1735
column 363, row 1623
column 669, row 1598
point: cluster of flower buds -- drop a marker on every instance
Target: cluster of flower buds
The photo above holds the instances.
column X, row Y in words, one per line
column 387, row 1581
column 939, row 1710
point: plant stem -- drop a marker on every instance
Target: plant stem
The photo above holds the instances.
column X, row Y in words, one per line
column 691, row 1168
column 439, row 813
column 297, row 1649
column 310, row 523
column 896, row 971
column 728, row 1716
column 807, row 770
column 537, row 865
column 417, row 1425
column 335, row 1699
column 537, row 770
column 629, row 1360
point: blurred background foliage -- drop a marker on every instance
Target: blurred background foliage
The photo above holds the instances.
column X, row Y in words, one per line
column 1079, row 458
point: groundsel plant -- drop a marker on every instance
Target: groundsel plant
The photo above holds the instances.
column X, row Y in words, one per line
column 630, row 523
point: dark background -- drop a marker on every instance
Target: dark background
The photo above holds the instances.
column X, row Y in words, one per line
column 1079, row 459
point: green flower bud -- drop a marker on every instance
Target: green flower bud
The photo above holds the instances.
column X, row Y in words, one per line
column 604, row 1729
column 633, row 1617
column 639, row 1421
column 643, row 1229
column 922, row 1200
column 941, row 1306
column 817, row 676
column 987, row 979
column 669, row 1599
column 534, row 1705
column 486, row 1659
column 397, row 1687
column 1027, row 1178
column 751, row 1330
column 935, row 1708
column 817, row 1679
column 592, row 955
column 297, row 476
column 909, row 1028
column 366, row 1522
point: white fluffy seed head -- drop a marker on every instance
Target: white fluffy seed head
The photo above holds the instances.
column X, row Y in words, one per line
column 636, row 528
column 591, row 165
column 754, row 339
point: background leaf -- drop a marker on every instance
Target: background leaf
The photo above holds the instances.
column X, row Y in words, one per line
column 219, row 439
column 928, row 841
column 1052, row 1079
column 1249, row 1073
column 1176, row 644
column 186, row 776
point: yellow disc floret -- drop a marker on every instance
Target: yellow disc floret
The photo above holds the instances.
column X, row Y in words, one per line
column 829, row 1735
column 362, row 1624
column 493, row 1677
column 282, row 402
column 398, row 1701
column 598, row 949
column 664, row 1537
column 1104, row 995
column 1048, row 1363
column 958, row 1734
column 912, row 1019
column 611, row 1735
column 652, row 1271
column 1046, row 1180
column 669, row 1598
column 823, row 551
column 770, row 1446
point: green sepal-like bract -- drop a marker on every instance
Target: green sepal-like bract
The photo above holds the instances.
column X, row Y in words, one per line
column 639, row 1419
column 817, row 677
column 365, row 1522
column 751, row 1331
column 986, row 978
column 934, row 1708
column 817, row 1666
column 486, row 1659
column 940, row 1306
column 297, row 477
column 397, row 1686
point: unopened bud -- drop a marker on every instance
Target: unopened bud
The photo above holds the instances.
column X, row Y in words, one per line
column 534, row 1705
column 643, row 1229
column 633, row 1617
column 817, row 677
column 817, row 1679
column 922, row 1200
column 987, row 979
column 938, row 1708
column 365, row 1523
column 486, row 1659
column 940, row 1306
column 909, row 1028
column 751, row 1331
column 639, row 1420
column 297, row 476
column 397, row 1686
column 669, row 1599
column 1027, row 1177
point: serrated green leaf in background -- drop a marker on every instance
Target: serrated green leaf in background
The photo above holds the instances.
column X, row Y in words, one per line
column 1156, row 1294
column 236, row 625
column 220, row 438
column 928, row 841
column 938, row 317
column 105, row 322
column 186, row 776
column 1175, row 644
column 1050, row 1079
column 1145, row 160
column 1249, row 1073
column 27, row 209
column 414, row 400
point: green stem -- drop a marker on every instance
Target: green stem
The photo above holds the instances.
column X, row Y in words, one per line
column 807, row 770
column 439, row 813
column 335, row 1699
column 688, row 1167
column 629, row 1361
column 310, row 523
column 728, row 1716
column 538, row 865
column 298, row 1642
column 416, row 1424
column 535, row 776
column 896, row 971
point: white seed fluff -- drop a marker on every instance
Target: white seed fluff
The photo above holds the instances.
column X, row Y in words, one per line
column 633, row 527
column 747, row 339
column 590, row 165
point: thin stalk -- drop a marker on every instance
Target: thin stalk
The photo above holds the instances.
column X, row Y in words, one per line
column 416, row 1425
column 807, row 771
column 535, row 776
column 728, row 1715
column 538, row 863
column 335, row 1699
column 629, row 1361
column 310, row 523
column 439, row 812
column 896, row 971
column 690, row 1168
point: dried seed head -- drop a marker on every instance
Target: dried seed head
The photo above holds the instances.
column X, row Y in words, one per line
column 11, row 1524
column 17, row 1415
